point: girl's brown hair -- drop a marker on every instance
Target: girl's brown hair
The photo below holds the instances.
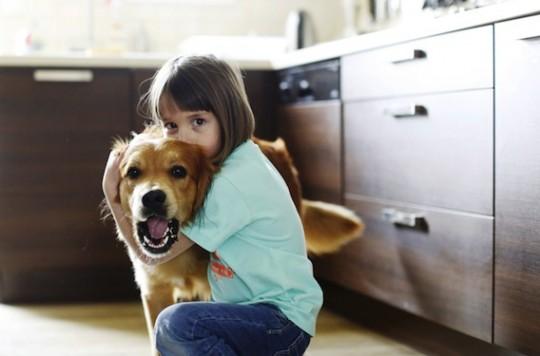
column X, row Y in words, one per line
column 205, row 83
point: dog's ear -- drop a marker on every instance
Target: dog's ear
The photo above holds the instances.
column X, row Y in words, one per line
column 206, row 172
column 119, row 145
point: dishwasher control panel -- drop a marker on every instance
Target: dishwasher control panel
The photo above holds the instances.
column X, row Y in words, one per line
column 310, row 82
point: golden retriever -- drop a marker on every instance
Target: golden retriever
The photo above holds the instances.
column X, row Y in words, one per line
column 163, row 185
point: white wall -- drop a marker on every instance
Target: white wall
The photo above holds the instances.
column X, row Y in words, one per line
column 58, row 25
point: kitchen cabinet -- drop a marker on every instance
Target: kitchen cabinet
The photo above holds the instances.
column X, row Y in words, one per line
column 517, row 189
column 418, row 168
column 437, row 264
column 56, row 128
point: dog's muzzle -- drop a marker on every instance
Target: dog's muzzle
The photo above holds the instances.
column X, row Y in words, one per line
column 157, row 234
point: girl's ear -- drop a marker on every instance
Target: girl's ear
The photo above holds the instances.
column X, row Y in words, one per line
column 206, row 172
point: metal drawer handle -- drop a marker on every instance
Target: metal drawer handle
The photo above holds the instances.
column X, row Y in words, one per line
column 410, row 56
column 55, row 75
column 531, row 38
column 400, row 218
column 409, row 111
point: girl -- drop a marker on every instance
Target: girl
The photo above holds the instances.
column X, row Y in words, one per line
column 265, row 299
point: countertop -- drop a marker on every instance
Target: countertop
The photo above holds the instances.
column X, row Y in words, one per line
column 510, row 9
column 111, row 60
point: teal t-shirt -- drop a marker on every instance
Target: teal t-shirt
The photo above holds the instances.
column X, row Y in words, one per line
column 251, row 227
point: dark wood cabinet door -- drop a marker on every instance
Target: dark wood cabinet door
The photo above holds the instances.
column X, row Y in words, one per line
column 517, row 188
column 56, row 129
column 312, row 132
column 434, row 263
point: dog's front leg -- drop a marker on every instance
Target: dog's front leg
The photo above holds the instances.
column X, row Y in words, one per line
column 154, row 301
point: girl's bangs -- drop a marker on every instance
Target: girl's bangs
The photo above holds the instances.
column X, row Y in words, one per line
column 188, row 95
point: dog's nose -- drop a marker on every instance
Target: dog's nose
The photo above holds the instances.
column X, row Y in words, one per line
column 154, row 199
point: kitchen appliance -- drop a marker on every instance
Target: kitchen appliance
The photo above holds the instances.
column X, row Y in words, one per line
column 309, row 121
column 385, row 11
column 310, row 82
column 299, row 30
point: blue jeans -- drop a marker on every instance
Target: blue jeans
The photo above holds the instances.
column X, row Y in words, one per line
column 208, row 328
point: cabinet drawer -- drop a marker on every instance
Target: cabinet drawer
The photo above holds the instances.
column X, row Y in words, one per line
column 442, row 157
column 441, row 269
column 456, row 61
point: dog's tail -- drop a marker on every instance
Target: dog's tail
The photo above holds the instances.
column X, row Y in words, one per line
column 329, row 226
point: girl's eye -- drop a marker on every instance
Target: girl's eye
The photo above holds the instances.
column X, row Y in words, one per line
column 178, row 172
column 170, row 125
column 198, row 121
column 133, row 172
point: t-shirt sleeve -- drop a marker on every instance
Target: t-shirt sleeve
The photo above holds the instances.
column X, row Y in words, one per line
column 224, row 212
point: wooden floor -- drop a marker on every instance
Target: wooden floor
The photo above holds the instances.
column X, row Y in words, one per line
column 117, row 329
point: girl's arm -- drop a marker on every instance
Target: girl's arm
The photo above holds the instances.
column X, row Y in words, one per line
column 111, row 179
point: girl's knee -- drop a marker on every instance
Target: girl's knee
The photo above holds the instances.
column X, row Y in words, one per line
column 172, row 322
column 177, row 321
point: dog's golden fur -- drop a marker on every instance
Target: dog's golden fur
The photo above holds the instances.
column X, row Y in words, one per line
column 327, row 226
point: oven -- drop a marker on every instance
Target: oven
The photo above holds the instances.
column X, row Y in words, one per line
column 310, row 123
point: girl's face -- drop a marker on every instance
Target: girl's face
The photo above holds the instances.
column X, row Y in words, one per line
column 196, row 127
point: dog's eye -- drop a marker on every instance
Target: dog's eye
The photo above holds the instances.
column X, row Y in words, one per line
column 178, row 172
column 133, row 172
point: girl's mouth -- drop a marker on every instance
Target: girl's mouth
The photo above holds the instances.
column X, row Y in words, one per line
column 157, row 234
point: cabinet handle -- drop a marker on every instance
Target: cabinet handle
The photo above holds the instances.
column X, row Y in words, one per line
column 55, row 75
column 530, row 38
column 410, row 56
column 403, row 219
column 413, row 110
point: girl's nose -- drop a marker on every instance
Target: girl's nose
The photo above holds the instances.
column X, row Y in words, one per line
column 181, row 135
column 184, row 137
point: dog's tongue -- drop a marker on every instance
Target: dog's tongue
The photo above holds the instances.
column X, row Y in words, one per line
column 157, row 227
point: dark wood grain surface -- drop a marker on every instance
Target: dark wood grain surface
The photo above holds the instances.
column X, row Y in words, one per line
column 517, row 189
column 312, row 132
column 442, row 159
column 54, row 141
column 461, row 60
column 262, row 91
column 441, row 271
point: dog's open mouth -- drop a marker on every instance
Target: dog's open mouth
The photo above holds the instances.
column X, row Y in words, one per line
column 157, row 234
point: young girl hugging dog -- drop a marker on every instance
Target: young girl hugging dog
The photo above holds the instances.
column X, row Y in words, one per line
column 264, row 298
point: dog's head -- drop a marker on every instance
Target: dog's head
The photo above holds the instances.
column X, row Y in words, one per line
column 163, row 185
